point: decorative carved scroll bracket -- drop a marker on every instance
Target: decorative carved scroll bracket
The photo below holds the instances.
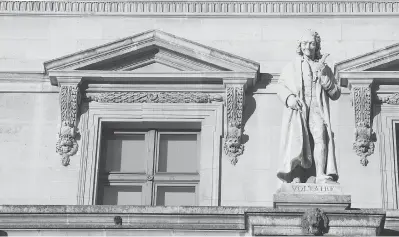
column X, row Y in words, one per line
column 70, row 98
column 362, row 103
column 154, row 97
column 234, row 106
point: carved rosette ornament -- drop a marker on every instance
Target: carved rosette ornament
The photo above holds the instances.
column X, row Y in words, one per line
column 154, row 97
column 363, row 144
column 69, row 103
column 314, row 222
column 234, row 104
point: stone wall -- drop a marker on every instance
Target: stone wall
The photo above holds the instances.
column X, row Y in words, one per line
column 29, row 119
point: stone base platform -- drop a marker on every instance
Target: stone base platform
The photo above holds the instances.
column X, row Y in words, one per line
column 98, row 220
column 310, row 195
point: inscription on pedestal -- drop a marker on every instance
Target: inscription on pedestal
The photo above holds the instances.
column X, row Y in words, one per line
column 311, row 188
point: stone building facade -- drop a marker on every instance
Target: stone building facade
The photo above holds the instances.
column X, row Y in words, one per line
column 72, row 72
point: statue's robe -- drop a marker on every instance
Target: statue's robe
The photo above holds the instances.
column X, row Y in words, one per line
column 295, row 148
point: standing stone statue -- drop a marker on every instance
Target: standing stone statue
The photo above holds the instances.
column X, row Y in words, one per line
column 305, row 87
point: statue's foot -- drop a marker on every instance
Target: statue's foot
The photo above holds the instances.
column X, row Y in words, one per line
column 296, row 180
column 323, row 179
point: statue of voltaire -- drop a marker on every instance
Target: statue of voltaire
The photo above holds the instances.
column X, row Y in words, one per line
column 305, row 87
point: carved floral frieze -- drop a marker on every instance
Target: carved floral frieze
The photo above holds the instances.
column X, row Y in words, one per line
column 233, row 146
column 363, row 144
column 154, row 97
column 69, row 103
column 391, row 99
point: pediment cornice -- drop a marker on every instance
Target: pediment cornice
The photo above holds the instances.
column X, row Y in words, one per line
column 373, row 62
column 152, row 46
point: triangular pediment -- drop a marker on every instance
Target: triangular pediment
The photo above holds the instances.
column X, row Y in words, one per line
column 384, row 59
column 152, row 50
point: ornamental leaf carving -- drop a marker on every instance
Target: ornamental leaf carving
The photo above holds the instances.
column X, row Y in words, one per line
column 234, row 106
column 154, row 97
column 69, row 103
column 363, row 144
column 391, row 99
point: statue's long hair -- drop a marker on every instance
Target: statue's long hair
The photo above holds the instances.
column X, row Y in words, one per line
column 317, row 38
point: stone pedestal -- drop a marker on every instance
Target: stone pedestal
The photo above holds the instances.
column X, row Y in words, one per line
column 311, row 195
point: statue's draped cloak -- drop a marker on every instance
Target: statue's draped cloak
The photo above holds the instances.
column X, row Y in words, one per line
column 295, row 143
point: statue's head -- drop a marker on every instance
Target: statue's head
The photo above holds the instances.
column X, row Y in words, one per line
column 309, row 45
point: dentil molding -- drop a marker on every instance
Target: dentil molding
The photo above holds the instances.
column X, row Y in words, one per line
column 173, row 8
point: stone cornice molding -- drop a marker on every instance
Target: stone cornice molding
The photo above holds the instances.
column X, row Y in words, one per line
column 248, row 78
column 370, row 63
column 181, row 52
column 379, row 75
column 204, row 8
column 23, row 76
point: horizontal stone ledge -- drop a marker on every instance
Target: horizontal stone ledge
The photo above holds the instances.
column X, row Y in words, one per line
column 126, row 209
column 201, row 8
column 253, row 220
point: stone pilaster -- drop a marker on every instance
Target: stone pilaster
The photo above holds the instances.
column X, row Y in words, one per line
column 362, row 104
column 70, row 98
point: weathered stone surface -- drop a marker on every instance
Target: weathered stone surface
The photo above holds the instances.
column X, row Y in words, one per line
column 341, row 223
column 59, row 220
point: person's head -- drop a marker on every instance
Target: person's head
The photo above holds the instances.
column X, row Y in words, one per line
column 309, row 45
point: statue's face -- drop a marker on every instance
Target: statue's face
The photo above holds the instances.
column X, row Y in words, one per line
column 308, row 45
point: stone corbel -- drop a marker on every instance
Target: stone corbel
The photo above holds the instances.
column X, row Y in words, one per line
column 362, row 102
column 70, row 98
column 233, row 147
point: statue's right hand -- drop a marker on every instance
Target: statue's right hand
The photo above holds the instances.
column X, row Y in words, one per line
column 294, row 102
